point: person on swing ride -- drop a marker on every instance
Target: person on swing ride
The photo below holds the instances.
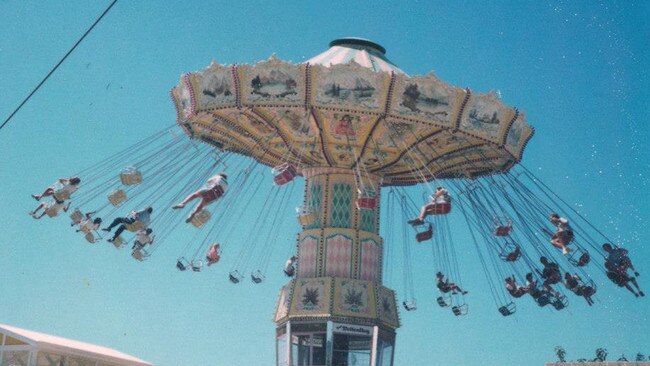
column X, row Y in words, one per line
column 563, row 233
column 290, row 266
column 89, row 224
column 514, row 289
column 551, row 274
column 52, row 207
column 617, row 259
column 445, row 286
column 214, row 189
column 142, row 216
column 514, row 255
column 142, row 238
column 69, row 186
column 440, row 196
column 572, row 282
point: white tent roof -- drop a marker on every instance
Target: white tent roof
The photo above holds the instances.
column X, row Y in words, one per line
column 362, row 51
column 69, row 346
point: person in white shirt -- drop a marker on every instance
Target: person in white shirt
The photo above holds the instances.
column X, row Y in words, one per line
column 439, row 198
column 69, row 186
column 52, row 207
column 290, row 266
column 214, row 189
column 142, row 216
column 563, row 233
column 142, row 238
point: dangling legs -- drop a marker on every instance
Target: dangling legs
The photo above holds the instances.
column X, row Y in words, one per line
column 117, row 221
column 200, row 206
column 187, row 199
column 47, row 192
column 41, row 205
column 423, row 214
column 633, row 280
column 117, row 233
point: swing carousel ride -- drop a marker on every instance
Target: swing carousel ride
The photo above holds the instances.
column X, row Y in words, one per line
column 353, row 126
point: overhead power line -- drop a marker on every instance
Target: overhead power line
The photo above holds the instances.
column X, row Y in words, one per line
column 57, row 65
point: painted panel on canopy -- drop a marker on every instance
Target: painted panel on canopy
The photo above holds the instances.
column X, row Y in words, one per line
column 386, row 308
column 272, row 82
column 311, row 296
column 518, row 136
column 217, row 131
column 426, row 98
column 229, row 123
column 284, row 300
column 215, row 87
column 485, row 116
column 293, row 121
column 354, row 298
column 183, row 99
column 349, row 86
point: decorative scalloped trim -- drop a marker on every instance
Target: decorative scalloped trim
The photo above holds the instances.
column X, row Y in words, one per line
column 320, row 135
column 468, row 93
column 512, row 122
column 236, row 82
column 523, row 147
column 188, row 85
column 307, row 103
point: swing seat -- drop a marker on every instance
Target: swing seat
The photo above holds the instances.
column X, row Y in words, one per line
column 90, row 238
column 117, row 197
column 182, row 264
column 196, row 265
column 511, row 253
column 583, row 258
column 76, row 216
column 235, row 277
column 85, row 229
column 508, row 309
column 290, row 272
column 140, row 254
column 61, row 195
column 410, row 305
column 543, row 300
column 368, row 203
column 502, row 230
column 439, row 209
column 201, row 218
column 459, row 310
column 442, row 302
column 284, row 174
column 257, row 277
column 118, row 242
column 134, row 227
column 424, row 235
column 560, row 302
column 51, row 212
column 306, row 217
column 130, row 176
column 213, row 255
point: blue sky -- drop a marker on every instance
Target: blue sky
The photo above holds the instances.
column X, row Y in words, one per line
column 578, row 70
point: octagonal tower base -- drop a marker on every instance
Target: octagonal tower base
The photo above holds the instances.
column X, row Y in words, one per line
column 336, row 311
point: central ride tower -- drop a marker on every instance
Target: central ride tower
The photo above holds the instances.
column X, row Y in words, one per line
column 350, row 122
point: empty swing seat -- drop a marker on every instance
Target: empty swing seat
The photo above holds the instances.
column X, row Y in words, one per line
column 459, row 310
column 306, row 217
column 424, row 235
column 182, row 264
column 410, row 305
column 543, row 300
column 196, row 265
column 284, row 174
column 368, row 203
column 234, row 277
column 201, row 218
column 117, row 197
column 257, row 277
column 76, row 216
column 140, row 254
column 439, row 209
column 130, row 176
column 442, row 302
column 508, row 309
column 560, row 303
